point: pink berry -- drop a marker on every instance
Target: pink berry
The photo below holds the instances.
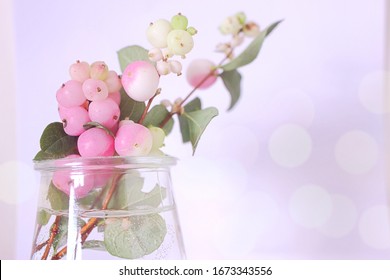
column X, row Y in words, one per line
column 71, row 94
column 95, row 89
column 74, row 119
column 106, row 112
column 95, row 142
column 79, row 71
column 198, row 70
column 140, row 80
column 66, row 181
column 116, row 96
column 133, row 139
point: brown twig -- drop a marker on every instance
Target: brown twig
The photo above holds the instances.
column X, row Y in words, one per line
column 53, row 233
column 144, row 113
column 40, row 246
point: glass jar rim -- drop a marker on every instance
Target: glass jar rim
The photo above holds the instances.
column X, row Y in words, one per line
column 112, row 162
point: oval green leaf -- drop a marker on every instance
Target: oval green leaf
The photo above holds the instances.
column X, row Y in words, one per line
column 55, row 143
column 232, row 82
column 135, row 236
column 197, row 123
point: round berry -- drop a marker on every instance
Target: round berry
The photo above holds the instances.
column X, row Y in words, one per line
column 175, row 66
column 116, row 96
column 180, row 42
column 95, row 142
column 155, row 54
column 95, row 90
column 79, row 71
column 157, row 33
column 197, row 72
column 113, row 81
column 163, row 67
column 158, row 136
column 140, row 80
column 133, row 139
column 99, row 70
column 251, row 29
column 73, row 119
column 179, row 22
column 71, row 94
column 106, row 112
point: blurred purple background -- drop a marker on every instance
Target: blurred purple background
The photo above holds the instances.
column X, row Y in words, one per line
column 295, row 171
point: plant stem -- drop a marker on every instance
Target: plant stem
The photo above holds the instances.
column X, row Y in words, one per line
column 90, row 225
column 166, row 119
column 53, row 233
column 40, row 246
column 148, row 106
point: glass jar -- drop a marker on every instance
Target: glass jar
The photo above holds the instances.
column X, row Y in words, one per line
column 107, row 208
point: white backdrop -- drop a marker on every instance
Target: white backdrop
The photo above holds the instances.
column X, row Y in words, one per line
column 295, row 171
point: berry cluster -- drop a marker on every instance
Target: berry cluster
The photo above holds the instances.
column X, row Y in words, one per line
column 237, row 26
column 88, row 105
column 170, row 38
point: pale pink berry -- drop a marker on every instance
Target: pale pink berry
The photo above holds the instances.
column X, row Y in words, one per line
column 140, row 80
column 133, row 139
column 70, row 94
column 163, row 67
column 251, row 29
column 155, row 54
column 95, row 89
column 106, row 112
column 78, row 183
column 95, row 142
column 197, row 72
column 99, row 70
column 175, row 67
column 113, row 82
column 116, row 96
column 79, row 71
column 73, row 119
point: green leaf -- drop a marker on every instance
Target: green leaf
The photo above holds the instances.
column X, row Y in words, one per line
column 55, row 143
column 43, row 217
column 197, row 123
column 130, row 54
column 232, row 82
column 130, row 108
column 41, row 155
column 94, row 244
column 271, row 28
column 129, row 194
column 194, row 105
column 58, row 199
column 135, row 236
column 251, row 52
column 89, row 125
column 156, row 115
